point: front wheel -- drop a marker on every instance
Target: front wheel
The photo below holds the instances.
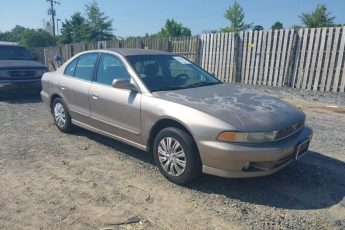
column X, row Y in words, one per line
column 61, row 116
column 176, row 156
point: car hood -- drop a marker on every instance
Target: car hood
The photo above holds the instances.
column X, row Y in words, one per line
column 10, row 64
column 245, row 109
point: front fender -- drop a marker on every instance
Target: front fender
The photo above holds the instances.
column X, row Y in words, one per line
column 199, row 124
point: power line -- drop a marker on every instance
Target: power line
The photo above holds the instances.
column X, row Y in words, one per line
column 52, row 12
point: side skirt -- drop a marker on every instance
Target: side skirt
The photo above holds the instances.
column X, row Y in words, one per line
column 93, row 129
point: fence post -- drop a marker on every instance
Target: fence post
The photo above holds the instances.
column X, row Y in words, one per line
column 294, row 58
column 237, row 58
column 46, row 58
column 198, row 51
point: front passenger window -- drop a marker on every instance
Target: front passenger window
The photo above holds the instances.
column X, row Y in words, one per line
column 109, row 68
column 85, row 66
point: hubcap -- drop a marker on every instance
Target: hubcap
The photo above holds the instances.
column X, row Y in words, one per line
column 59, row 114
column 171, row 156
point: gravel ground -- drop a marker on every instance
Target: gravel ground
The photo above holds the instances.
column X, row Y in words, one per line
column 50, row 180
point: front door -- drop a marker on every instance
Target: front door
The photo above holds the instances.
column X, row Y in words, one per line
column 115, row 111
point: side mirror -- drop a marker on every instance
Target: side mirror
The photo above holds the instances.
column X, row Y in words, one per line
column 124, row 83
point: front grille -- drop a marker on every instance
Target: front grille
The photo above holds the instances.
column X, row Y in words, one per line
column 289, row 130
column 22, row 74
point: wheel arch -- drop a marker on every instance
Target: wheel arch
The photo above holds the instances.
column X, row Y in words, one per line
column 165, row 123
column 52, row 99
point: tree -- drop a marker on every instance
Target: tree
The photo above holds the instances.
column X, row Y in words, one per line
column 37, row 38
column 318, row 18
column 174, row 29
column 66, row 36
column 14, row 35
column 236, row 16
column 277, row 26
column 100, row 25
column 258, row 27
column 94, row 26
column 210, row 31
column 75, row 30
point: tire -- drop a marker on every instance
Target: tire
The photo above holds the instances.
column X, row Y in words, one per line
column 181, row 162
column 61, row 116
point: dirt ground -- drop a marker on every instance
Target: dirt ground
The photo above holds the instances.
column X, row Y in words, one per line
column 51, row 180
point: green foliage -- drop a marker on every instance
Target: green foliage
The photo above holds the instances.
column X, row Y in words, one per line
column 66, row 32
column 75, row 30
column 210, row 31
column 318, row 18
column 277, row 26
column 100, row 25
column 174, row 29
column 37, row 38
column 14, row 35
column 94, row 26
column 258, row 27
column 235, row 15
column 29, row 37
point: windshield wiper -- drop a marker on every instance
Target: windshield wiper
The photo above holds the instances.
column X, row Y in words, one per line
column 170, row 88
column 198, row 84
column 203, row 83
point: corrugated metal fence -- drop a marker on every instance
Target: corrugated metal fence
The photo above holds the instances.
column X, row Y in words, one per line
column 311, row 59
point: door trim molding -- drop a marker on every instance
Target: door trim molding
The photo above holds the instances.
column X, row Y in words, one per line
column 99, row 131
column 80, row 113
column 116, row 126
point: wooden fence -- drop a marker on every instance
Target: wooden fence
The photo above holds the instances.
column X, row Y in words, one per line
column 310, row 59
column 186, row 46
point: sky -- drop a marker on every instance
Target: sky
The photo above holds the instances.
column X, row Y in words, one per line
column 137, row 17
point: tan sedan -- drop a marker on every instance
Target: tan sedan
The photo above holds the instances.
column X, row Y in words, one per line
column 163, row 103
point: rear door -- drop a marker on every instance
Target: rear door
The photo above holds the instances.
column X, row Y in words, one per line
column 115, row 111
column 76, row 85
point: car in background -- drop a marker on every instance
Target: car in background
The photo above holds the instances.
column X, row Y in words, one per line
column 163, row 103
column 18, row 67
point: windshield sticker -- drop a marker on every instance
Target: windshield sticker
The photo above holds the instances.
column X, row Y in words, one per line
column 182, row 60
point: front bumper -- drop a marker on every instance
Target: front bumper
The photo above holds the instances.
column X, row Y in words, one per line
column 33, row 82
column 249, row 160
column 45, row 98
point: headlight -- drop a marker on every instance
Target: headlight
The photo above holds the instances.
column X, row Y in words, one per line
column 3, row 73
column 247, row 137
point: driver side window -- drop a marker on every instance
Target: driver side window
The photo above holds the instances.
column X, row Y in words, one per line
column 110, row 68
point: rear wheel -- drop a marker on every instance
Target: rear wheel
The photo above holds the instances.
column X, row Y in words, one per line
column 176, row 155
column 61, row 116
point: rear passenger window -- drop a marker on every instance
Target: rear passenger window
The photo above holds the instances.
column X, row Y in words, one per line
column 110, row 68
column 70, row 69
column 85, row 66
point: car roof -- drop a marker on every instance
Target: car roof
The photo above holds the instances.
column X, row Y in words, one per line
column 10, row 45
column 134, row 52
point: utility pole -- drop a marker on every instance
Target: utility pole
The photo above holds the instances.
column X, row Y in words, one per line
column 52, row 12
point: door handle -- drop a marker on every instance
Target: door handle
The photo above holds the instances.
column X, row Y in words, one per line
column 62, row 87
column 94, row 96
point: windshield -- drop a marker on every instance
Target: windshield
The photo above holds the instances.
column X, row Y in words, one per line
column 14, row 53
column 168, row 72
